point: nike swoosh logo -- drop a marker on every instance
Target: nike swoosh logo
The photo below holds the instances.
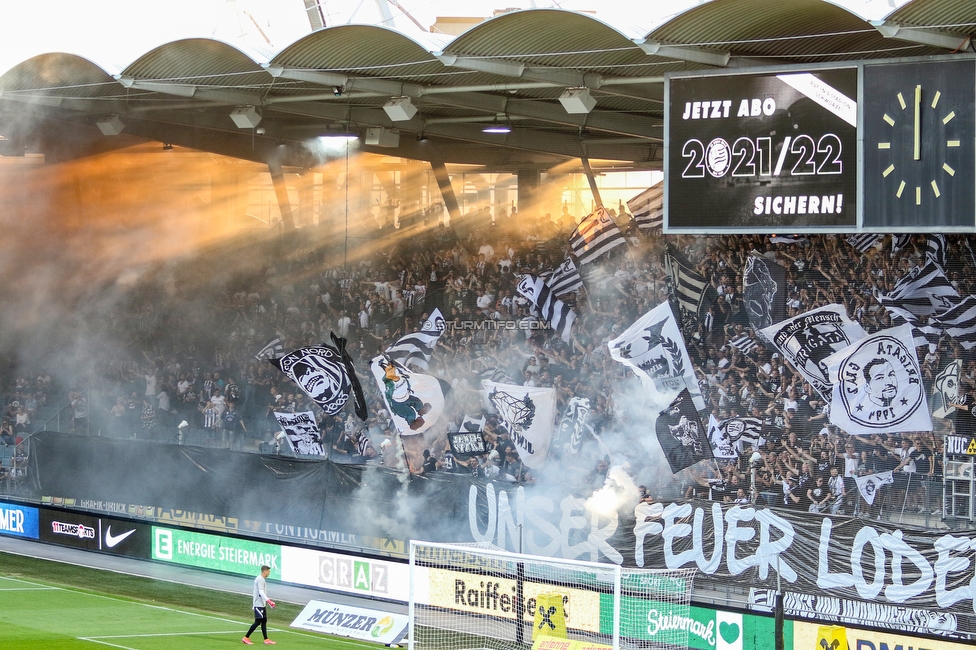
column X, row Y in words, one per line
column 112, row 541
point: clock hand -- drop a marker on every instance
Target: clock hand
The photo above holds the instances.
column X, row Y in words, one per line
column 918, row 110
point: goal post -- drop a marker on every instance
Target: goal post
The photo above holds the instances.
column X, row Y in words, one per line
column 480, row 597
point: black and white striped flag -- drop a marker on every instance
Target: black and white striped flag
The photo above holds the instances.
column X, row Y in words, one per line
column 744, row 343
column 922, row 333
column 687, row 285
column 864, row 242
column 648, row 207
column 415, row 349
column 936, row 250
column 596, row 235
column 273, row 349
column 923, row 292
column 556, row 312
column 899, row 242
column 565, row 278
column 959, row 322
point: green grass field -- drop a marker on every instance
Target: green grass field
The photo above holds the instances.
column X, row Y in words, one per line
column 50, row 605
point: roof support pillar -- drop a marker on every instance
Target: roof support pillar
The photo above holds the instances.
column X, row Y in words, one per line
column 447, row 190
column 528, row 186
column 281, row 191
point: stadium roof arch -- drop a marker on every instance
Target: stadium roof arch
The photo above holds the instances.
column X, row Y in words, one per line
column 509, row 70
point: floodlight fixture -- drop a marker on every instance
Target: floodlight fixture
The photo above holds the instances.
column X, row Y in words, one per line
column 380, row 137
column 245, row 117
column 110, row 125
column 577, row 100
column 400, row 109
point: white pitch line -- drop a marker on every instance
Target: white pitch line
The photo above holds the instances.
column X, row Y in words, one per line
column 114, row 645
column 29, row 589
column 136, row 636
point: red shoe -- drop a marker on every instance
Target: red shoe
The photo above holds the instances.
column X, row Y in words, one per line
column 269, row 642
column 247, row 641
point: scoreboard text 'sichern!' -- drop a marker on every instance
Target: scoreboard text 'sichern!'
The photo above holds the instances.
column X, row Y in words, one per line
column 771, row 152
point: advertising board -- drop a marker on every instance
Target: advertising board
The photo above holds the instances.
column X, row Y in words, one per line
column 493, row 596
column 352, row 622
column 348, row 574
column 114, row 536
column 228, row 554
column 18, row 521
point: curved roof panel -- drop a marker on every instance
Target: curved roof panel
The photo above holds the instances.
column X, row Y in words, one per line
column 786, row 32
column 200, row 61
column 63, row 74
column 943, row 15
column 362, row 49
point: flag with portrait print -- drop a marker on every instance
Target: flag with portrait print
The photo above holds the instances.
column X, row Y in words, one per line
column 877, row 385
column 572, row 426
column 807, row 339
column 320, row 372
column 870, row 484
column 946, row 390
column 763, row 291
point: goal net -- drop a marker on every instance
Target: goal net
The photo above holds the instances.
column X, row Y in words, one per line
column 476, row 596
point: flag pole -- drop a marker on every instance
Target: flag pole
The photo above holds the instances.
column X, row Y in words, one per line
column 591, row 180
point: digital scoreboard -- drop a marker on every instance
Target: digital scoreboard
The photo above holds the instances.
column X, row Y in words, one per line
column 877, row 146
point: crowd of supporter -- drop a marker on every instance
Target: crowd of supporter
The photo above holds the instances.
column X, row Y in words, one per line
column 194, row 363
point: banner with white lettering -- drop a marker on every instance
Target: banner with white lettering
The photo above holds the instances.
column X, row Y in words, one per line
column 529, row 415
column 871, row 561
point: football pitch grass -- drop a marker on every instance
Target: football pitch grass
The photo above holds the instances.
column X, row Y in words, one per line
column 50, row 605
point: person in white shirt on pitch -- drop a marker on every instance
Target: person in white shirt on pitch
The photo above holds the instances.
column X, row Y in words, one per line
column 258, row 601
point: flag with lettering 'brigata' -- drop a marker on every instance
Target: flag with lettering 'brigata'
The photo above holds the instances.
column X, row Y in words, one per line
column 808, row 339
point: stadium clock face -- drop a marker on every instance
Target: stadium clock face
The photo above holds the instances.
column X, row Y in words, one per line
column 918, row 128
column 926, row 112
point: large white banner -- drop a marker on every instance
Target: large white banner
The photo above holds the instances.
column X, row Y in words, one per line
column 529, row 415
column 877, row 385
column 655, row 351
column 808, row 339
